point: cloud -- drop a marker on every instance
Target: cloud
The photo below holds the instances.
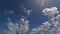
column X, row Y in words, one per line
column 58, row 30
column 50, row 11
column 58, row 17
column 46, row 25
column 22, row 19
column 28, row 12
column 43, row 27
column 21, row 27
column 49, row 27
column 11, row 12
column 57, row 22
column 52, row 31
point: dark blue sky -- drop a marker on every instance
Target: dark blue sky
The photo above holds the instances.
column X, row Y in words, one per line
column 36, row 18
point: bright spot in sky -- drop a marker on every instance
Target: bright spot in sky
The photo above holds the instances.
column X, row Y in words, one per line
column 41, row 2
column 44, row 2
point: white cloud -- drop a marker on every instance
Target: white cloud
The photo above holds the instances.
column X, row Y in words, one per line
column 46, row 25
column 52, row 26
column 57, row 22
column 58, row 17
column 23, row 26
column 43, row 27
column 50, row 11
column 20, row 28
column 28, row 12
column 22, row 19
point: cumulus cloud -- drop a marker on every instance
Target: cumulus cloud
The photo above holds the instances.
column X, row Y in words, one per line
column 43, row 27
column 58, row 17
column 48, row 27
column 20, row 28
column 57, row 22
column 50, row 11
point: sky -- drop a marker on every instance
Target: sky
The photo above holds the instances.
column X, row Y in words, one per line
column 15, row 9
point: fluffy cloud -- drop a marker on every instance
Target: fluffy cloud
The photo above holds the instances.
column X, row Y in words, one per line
column 57, row 22
column 50, row 11
column 43, row 27
column 46, row 25
column 21, row 27
column 58, row 17
column 49, row 27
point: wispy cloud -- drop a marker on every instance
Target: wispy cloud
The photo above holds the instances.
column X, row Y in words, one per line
column 11, row 12
column 28, row 12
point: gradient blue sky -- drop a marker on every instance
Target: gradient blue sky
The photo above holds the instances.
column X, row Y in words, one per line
column 36, row 18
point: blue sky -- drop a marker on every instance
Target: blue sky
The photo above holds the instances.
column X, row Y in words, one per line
column 36, row 17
